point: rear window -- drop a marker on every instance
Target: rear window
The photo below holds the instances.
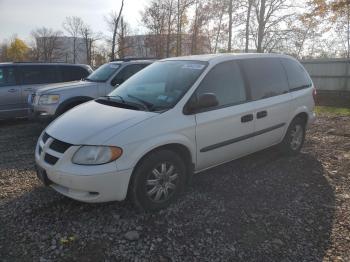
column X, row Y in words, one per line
column 73, row 73
column 266, row 77
column 40, row 74
column 7, row 76
column 298, row 78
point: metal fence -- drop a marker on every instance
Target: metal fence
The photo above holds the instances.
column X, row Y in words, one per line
column 329, row 74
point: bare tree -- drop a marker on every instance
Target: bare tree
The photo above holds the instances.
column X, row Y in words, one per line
column 230, row 25
column 123, row 44
column 155, row 20
column 247, row 24
column 73, row 25
column 182, row 7
column 170, row 20
column 219, row 9
column 89, row 39
column 269, row 15
column 46, row 44
column 113, row 21
column 200, row 21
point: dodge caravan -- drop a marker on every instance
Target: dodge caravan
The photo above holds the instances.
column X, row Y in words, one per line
column 177, row 117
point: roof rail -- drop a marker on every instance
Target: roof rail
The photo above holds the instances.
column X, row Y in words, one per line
column 38, row 62
column 134, row 59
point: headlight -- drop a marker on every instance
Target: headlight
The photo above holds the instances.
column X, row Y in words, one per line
column 49, row 99
column 96, row 155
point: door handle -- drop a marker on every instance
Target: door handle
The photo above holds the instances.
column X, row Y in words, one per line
column 261, row 114
column 247, row 118
column 12, row 90
column 28, row 89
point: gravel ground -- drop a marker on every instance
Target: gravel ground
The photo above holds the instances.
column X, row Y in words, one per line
column 264, row 207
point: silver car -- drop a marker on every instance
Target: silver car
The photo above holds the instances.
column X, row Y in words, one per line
column 56, row 99
column 18, row 80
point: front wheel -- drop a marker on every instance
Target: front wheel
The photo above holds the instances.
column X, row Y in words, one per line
column 157, row 180
column 294, row 138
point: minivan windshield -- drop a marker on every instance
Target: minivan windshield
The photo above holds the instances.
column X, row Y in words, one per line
column 103, row 73
column 161, row 85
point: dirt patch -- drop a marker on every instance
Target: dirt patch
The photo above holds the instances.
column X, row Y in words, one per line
column 264, row 207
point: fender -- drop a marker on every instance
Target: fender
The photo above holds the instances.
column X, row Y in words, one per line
column 299, row 110
column 74, row 100
column 139, row 150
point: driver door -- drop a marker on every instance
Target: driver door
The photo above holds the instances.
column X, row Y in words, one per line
column 222, row 132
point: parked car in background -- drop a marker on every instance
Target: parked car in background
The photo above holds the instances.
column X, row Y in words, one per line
column 18, row 80
column 56, row 99
column 176, row 117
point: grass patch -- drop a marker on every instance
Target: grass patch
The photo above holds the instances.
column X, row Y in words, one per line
column 341, row 111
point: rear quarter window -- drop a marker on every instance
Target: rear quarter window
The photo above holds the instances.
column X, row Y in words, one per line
column 40, row 74
column 298, row 78
column 266, row 77
column 32, row 74
column 73, row 73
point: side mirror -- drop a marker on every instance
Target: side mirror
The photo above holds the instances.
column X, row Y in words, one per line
column 206, row 100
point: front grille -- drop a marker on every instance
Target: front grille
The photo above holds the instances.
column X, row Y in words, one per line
column 59, row 146
column 52, row 160
column 55, row 145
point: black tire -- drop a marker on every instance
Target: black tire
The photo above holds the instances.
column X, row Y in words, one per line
column 289, row 146
column 144, row 174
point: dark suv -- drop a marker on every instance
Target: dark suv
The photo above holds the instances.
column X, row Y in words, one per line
column 18, row 80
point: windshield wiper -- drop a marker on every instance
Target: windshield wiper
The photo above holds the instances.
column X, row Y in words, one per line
column 146, row 104
column 120, row 97
column 106, row 100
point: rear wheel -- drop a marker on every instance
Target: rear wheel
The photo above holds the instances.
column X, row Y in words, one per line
column 157, row 181
column 294, row 138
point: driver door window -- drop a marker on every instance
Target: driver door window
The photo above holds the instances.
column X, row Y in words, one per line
column 126, row 73
column 226, row 83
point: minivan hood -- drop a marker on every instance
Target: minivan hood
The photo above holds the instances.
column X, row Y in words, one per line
column 94, row 124
column 58, row 87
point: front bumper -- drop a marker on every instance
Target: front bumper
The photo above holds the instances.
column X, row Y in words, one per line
column 91, row 184
column 40, row 111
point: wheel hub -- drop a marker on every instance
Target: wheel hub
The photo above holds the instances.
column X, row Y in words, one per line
column 161, row 182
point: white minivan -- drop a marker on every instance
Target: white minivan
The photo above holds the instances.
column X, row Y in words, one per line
column 177, row 117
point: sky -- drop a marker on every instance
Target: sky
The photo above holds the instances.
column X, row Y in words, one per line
column 20, row 17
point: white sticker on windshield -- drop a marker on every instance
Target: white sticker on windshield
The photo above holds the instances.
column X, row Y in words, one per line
column 193, row 66
column 114, row 66
column 162, row 97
